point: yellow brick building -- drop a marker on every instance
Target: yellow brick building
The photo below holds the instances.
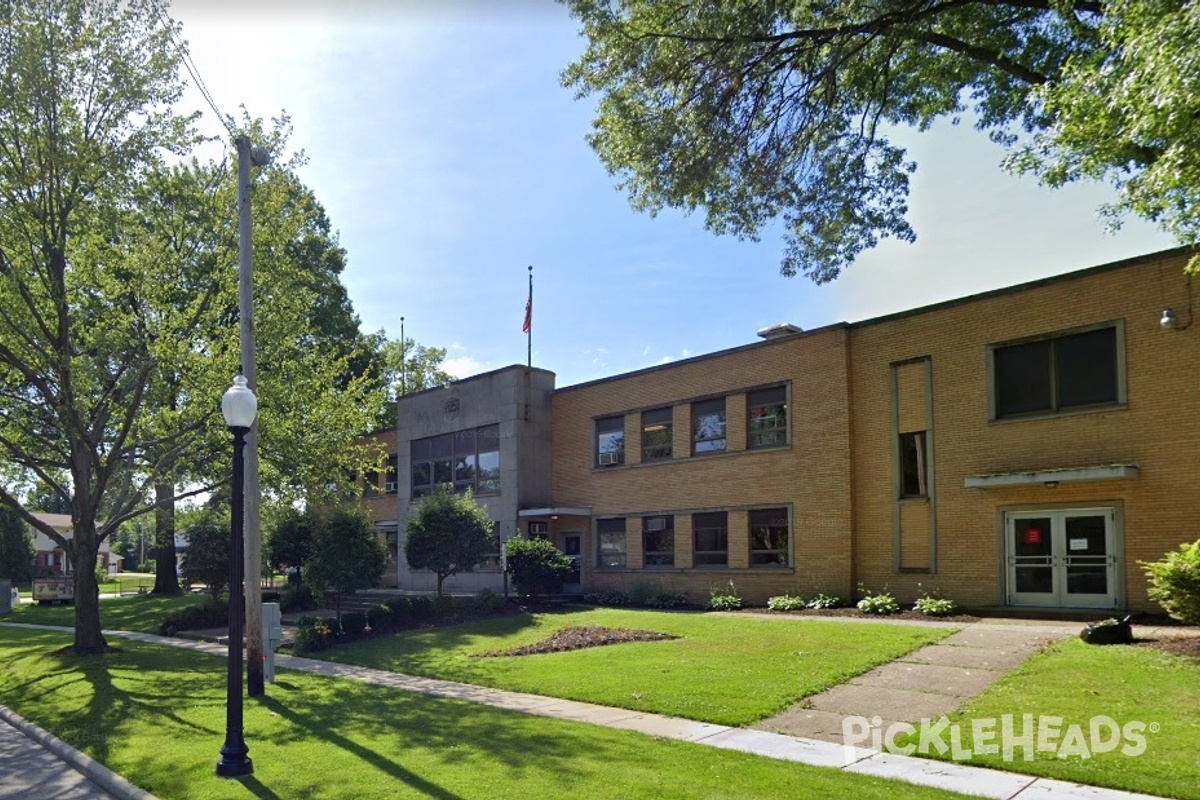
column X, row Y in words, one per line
column 1023, row 447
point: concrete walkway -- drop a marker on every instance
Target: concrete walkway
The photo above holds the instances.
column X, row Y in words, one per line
column 952, row 776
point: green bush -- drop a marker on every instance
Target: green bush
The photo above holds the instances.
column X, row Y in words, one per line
column 617, row 599
column 487, row 602
column 666, row 599
column 310, row 638
column 882, row 603
column 931, row 605
column 379, row 618
column 823, row 600
column 724, row 598
column 786, row 602
column 208, row 614
column 537, row 566
column 335, row 627
column 442, row 605
column 1175, row 582
column 420, row 607
column 354, row 623
column 401, row 607
column 296, row 598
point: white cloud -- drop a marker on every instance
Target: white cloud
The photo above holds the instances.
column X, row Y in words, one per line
column 463, row 366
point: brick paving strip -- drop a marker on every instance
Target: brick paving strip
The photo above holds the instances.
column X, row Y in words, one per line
column 809, row 750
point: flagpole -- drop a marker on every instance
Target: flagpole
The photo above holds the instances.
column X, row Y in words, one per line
column 529, row 323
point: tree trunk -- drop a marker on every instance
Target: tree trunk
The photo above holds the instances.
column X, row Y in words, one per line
column 88, row 638
column 166, row 575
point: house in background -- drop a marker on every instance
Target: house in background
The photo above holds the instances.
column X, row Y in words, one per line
column 1024, row 447
column 50, row 560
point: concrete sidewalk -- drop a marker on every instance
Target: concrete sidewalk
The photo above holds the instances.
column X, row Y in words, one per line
column 812, row 751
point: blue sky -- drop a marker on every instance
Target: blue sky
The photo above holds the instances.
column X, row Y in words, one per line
column 449, row 159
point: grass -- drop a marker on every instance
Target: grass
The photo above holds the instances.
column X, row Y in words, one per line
column 156, row 716
column 1077, row 682
column 726, row 670
column 136, row 613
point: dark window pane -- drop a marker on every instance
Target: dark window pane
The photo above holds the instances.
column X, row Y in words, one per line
column 610, row 441
column 658, row 541
column 1086, row 368
column 656, row 434
column 913, row 466
column 488, row 438
column 708, row 426
column 610, row 542
column 769, row 537
column 443, row 446
column 1022, row 378
column 464, row 443
column 421, row 449
column 657, row 416
column 766, row 417
column 422, row 473
column 710, row 533
column 443, row 471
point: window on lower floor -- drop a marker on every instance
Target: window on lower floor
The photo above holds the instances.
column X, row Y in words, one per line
column 710, row 539
column 766, row 418
column 389, row 477
column 1055, row 374
column 769, row 537
column 657, row 434
column 370, row 483
column 658, row 541
column 610, row 441
column 539, row 530
column 708, row 426
column 610, row 542
column 913, row 465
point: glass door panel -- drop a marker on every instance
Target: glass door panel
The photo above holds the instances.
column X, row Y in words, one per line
column 1032, row 561
column 1086, row 559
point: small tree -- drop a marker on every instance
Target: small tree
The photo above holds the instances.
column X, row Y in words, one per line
column 1175, row 582
column 290, row 540
column 448, row 534
column 206, row 559
column 16, row 548
column 346, row 556
column 536, row 566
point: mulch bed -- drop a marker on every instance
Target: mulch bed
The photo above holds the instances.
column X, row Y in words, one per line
column 578, row 637
column 1187, row 646
column 908, row 614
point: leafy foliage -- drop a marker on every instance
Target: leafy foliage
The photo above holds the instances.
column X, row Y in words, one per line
column 536, row 566
column 780, row 112
column 823, row 600
column 206, row 559
column 16, row 548
column 724, row 598
column 882, row 603
column 786, row 602
column 212, row 613
column 1175, row 582
column 346, row 555
column 289, row 540
column 448, row 533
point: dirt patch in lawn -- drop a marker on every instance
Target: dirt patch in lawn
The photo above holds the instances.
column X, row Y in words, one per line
column 1187, row 646
column 577, row 637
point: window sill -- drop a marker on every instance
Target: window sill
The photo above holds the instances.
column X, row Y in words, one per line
column 1073, row 412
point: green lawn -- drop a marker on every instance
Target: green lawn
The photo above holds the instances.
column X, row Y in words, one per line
column 156, row 716
column 1077, row 682
column 726, row 670
column 135, row 613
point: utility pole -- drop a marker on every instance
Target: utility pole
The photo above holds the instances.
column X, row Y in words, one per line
column 252, row 550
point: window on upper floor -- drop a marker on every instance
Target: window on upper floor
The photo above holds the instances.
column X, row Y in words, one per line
column 657, row 434
column 389, row 482
column 610, row 542
column 610, row 441
column 1057, row 374
column 913, row 465
column 468, row 459
column 658, row 541
column 766, row 418
column 769, row 537
column 708, row 426
column 710, row 539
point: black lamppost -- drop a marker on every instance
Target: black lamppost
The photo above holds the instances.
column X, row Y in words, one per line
column 239, row 406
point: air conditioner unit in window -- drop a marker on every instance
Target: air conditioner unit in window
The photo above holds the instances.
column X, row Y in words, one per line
column 390, row 487
column 656, row 524
column 609, row 459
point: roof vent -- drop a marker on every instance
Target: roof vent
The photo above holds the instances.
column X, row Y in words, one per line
column 779, row 331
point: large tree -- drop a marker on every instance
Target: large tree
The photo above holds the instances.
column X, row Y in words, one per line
column 407, row 368
column 346, row 555
column 448, row 533
column 779, row 110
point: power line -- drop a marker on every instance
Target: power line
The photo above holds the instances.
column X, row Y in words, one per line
column 191, row 67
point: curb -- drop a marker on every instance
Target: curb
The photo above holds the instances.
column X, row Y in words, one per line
column 93, row 770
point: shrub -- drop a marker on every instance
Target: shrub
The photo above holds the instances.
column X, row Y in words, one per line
column 208, row 614
column 724, row 598
column 310, row 638
column 640, row 592
column 354, row 623
column 666, row 599
column 1175, row 582
column 487, row 602
column 379, row 618
column 537, row 566
column 333, row 623
column 441, row 605
column 296, row 598
column 785, row 602
column 401, row 608
column 618, row 599
column 420, row 607
column 448, row 533
column 882, row 603
column 823, row 600
column 932, row 605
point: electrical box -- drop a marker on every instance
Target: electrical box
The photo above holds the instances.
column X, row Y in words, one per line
column 272, row 631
